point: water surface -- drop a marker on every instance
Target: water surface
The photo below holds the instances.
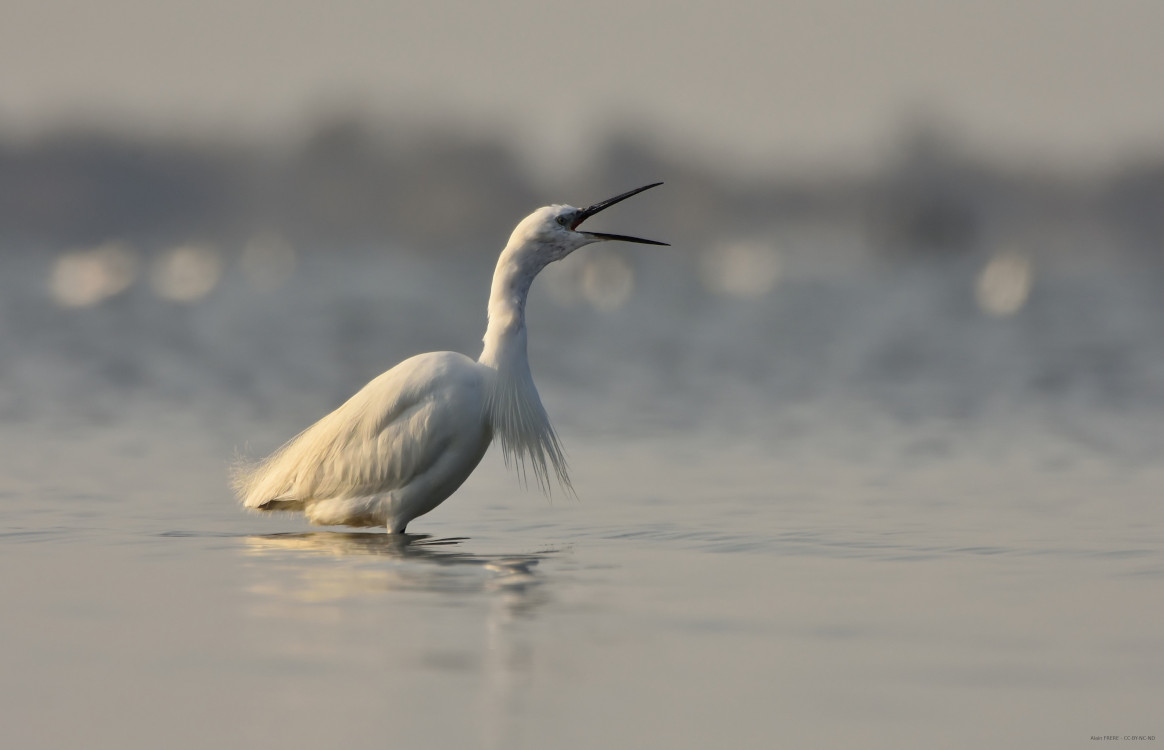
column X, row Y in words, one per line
column 855, row 511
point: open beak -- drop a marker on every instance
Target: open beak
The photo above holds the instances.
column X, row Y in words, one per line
column 602, row 206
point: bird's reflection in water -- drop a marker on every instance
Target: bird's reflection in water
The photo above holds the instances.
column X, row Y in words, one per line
column 391, row 562
column 311, row 577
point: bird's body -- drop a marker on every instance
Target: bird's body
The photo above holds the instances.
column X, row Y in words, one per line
column 390, row 453
column 407, row 440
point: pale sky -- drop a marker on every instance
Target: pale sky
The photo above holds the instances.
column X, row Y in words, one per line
column 751, row 83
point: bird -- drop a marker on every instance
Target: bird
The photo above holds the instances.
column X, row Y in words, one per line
column 407, row 440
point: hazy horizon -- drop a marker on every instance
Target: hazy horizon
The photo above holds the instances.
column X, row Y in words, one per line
column 746, row 84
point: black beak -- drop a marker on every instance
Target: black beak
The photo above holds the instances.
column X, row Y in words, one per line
column 603, row 205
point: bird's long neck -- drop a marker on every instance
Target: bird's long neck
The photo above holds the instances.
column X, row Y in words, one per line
column 513, row 408
column 505, row 335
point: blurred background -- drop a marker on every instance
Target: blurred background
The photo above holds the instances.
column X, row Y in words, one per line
column 163, row 164
column 912, row 311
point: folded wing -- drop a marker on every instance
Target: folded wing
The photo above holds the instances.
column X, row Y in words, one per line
column 391, row 432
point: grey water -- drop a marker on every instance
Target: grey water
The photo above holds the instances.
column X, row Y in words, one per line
column 864, row 507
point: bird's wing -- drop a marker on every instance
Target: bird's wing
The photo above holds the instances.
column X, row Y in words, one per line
column 391, row 431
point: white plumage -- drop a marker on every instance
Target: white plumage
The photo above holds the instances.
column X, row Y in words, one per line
column 407, row 440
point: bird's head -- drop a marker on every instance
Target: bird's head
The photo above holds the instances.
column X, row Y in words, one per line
column 551, row 233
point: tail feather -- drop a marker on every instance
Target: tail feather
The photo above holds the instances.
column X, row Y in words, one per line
column 251, row 481
column 277, row 504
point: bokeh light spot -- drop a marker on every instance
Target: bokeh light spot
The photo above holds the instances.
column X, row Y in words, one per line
column 83, row 278
column 186, row 273
column 607, row 281
column 1004, row 284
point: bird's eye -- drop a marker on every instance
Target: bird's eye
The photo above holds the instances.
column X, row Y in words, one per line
column 562, row 220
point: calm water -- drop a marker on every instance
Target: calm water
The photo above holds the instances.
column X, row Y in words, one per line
column 857, row 511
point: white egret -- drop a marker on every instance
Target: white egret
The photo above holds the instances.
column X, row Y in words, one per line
column 407, row 440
